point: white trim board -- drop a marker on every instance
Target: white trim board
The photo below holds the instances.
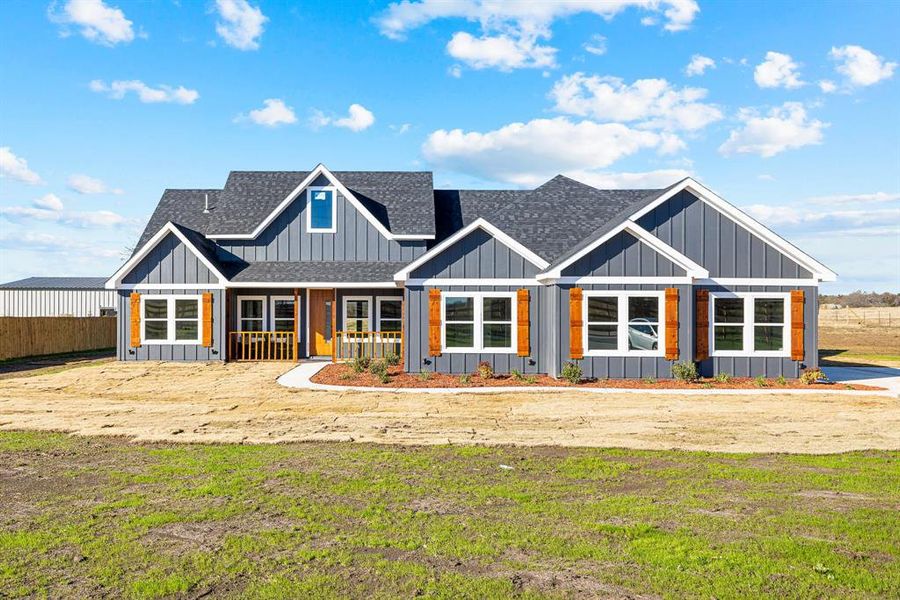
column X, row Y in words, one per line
column 311, row 284
column 692, row 269
column 319, row 170
column 706, row 195
column 480, row 223
column 115, row 281
column 466, row 282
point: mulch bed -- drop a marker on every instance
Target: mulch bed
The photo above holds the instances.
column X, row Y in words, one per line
column 342, row 374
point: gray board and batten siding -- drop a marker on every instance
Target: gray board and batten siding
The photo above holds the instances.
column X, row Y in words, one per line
column 623, row 255
column 170, row 261
column 478, row 255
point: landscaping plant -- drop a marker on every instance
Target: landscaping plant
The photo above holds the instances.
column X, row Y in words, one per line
column 424, row 375
column 685, row 371
column 359, row 364
column 392, row 359
column 571, row 372
column 464, row 379
column 378, row 368
column 811, row 376
column 485, row 370
column 781, row 380
column 723, row 377
column 761, row 381
column 516, row 374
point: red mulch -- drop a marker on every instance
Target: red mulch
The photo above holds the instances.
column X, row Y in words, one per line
column 342, row 374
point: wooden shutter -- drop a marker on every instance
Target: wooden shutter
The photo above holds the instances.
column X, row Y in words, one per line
column 207, row 319
column 434, row 322
column 522, row 323
column 576, row 324
column 135, row 320
column 701, row 324
column 671, row 323
column 797, row 325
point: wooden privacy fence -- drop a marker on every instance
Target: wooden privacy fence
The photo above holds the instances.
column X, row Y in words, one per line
column 373, row 344
column 261, row 345
column 38, row 336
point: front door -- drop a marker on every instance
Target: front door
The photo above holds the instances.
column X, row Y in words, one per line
column 321, row 303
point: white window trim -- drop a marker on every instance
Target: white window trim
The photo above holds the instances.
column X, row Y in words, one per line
column 347, row 299
column 309, row 192
column 478, row 322
column 240, row 312
column 170, row 319
column 622, row 322
column 272, row 300
column 378, row 301
column 749, row 324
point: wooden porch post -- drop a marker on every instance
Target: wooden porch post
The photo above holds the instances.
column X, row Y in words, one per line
column 334, row 340
column 296, row 325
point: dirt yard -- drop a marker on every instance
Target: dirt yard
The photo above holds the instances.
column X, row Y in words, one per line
column 866, row 336
column 243, row 403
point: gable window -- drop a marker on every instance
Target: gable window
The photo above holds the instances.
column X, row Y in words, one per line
column 478, row 322
column 251, row 313
column 283, row 313
column 389, row 313
column 170, row 319
column 321, row 210
column 357, row 313
column 749, row 324
column 623, row 323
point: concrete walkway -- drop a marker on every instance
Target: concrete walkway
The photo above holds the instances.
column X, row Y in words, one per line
column 300, row 378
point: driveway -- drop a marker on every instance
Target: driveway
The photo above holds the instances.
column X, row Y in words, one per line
column 886, row 377
column 241, row 402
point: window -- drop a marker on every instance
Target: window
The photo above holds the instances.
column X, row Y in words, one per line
column 251, row 313
column 749, row 324
column 107, row 312
column 322, row 208
column 357, row 313
column 623, row 323
column 283, row 313
column 390, row 314
column 478, row 322
column 170, row 319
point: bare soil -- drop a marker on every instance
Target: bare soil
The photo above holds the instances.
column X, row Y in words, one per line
column 343, row 374
column 241, row 402
column 862, row 336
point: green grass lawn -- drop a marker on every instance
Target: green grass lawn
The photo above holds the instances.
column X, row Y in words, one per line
column 85, row 517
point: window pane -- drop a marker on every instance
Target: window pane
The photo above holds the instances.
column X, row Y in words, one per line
column 321, row 209
column 284, row 324
column 460, row 335
column 357, row 325
column 284, row 309
column 186, row 309
column 603, row 337
column 357, row 309
column 185, row 330
column 642, row 336
column 391, row 309
column 603, row 309
column 460, row 308
column 390, row 325
column 768, row 310
column 768, row 338
column 645, row 309
column 156, row 309
column 156, row 330
column 496, row 309
column 729, row 310
column 729, row 337
column 497, row 335
column 251, row 325
column 251, row 309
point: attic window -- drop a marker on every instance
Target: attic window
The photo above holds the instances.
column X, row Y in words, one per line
column 322, row 208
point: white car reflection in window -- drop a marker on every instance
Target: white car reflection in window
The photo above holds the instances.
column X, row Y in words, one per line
column 642, row 335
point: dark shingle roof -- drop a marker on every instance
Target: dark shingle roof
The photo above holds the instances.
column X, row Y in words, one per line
column 401, row 200
column 56, row 283
column 549, row 220
column 338, row 271
column 184, row 207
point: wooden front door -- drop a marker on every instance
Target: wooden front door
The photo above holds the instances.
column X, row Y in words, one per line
column 321, row 313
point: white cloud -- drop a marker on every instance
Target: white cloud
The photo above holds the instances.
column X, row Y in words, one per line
column 96, row 21
column 783, row 128
column 18, row 213
column 877, row 197
column 117, row 90
column 698, row 65
column 241, row 23
column 502, row 52
column 84, row 184
column 596, row 45
column 51, row 208
column 401, row 129
column 787, row 215
column 654, row 103
column 97, row 218
column 616, row 181
column 523, row 153
column 455, row 71
column 16, row 168
column 827, row 86
column 49, row 202
column 274, row 113
column 48, row 243
column 861, row 67
column 358, row 118
column 778, row 70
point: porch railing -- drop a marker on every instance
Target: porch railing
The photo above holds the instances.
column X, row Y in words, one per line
column 261, row 345
column 373, row 344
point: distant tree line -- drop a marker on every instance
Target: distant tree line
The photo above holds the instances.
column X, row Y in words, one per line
column 861, row 299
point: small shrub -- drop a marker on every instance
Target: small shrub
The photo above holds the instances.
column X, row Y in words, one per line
column 360, row 364
column 571, row 372
column 650, row 380
column 761, row 381
column 685, row 371
column 812, row 376
column 392, row 359
column 384, row 378
column 531, row 379
column 781, row 380
column 485, row 369
column 378, row 368
column 723, row 377
column 424, row 375
column 346, row 376
column 516, row 374
column 465, row 379
column 706, row 384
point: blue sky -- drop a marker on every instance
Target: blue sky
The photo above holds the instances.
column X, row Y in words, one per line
column 789, row 110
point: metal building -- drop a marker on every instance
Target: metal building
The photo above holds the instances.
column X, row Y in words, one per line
column 57, row 297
